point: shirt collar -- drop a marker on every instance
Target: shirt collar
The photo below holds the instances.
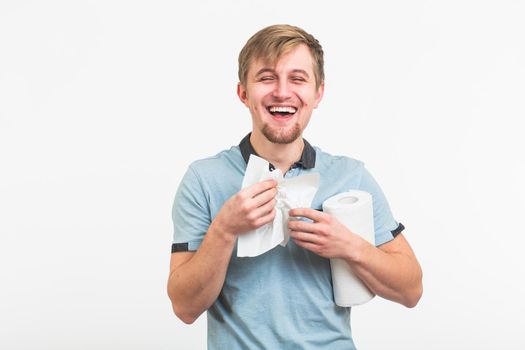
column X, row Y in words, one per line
column 307, row 160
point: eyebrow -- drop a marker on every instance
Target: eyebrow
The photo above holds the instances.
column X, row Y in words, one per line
column 264, row 70
column 270, row 70
column 301, row 71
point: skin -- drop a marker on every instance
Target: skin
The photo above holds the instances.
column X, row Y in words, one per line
column 196, row 278
column 291, row 82
column 390, row 270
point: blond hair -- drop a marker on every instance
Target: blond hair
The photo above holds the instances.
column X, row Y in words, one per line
column 270, row 43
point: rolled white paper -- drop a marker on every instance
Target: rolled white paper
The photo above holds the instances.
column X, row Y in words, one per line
column 354, row 210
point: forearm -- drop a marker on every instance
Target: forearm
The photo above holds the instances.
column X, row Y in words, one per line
column 195, row 285
column 391, row 274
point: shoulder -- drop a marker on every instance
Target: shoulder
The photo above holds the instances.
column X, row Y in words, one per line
column 208, row 183
column 338, row 163
column 220, row 164
column 209, row 177
column 217, row 177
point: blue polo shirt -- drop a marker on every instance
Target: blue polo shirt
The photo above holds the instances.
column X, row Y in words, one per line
column 282, row 299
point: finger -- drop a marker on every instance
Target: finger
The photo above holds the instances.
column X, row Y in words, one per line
column 304, row 226
column 314, row 248
column 266, row 218
column 308, row 213
column 264, row 197
column 259, row 187
column 264, row 209
column 305, row 237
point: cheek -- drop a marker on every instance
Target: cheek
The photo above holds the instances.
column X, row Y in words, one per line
column 307, row 97
column 257, row 109
column 257, row 98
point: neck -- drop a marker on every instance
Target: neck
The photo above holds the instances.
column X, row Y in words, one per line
column 282, row 156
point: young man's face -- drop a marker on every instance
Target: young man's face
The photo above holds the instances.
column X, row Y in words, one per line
column 281, row 98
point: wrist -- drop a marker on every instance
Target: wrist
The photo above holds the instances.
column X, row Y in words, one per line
column 221, row 231
column 360, row 249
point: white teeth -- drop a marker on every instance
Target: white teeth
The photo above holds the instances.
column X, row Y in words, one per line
column 278, row 109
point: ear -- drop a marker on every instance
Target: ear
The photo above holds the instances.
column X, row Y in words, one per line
column 320, row 93
column 241, row 92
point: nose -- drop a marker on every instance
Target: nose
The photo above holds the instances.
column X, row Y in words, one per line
column 282, row 90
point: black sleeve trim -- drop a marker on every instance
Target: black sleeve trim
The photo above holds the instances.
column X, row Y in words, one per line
column 398, row 230
column 179, row 247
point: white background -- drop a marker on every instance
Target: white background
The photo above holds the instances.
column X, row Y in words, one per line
column 103, row 104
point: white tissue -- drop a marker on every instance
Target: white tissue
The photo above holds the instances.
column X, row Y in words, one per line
column 354, row 210
column 296, row 192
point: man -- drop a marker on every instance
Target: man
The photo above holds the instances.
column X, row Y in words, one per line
column 282, row 299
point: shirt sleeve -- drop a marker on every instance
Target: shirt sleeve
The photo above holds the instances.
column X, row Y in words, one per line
column 385, row 226
column 190, row 214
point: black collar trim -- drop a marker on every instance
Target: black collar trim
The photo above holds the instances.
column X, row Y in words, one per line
column 307, row 160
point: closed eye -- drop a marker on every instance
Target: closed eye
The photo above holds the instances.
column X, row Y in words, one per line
column 267, row 78
column 298, row 79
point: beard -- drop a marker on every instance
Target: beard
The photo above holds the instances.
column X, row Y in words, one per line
column 282, row 136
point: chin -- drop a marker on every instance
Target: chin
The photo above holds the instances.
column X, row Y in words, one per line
column 280, row 136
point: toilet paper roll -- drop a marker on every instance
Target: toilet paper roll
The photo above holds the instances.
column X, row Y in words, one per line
column 354, row 210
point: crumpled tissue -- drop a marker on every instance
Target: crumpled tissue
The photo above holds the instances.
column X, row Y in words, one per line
column 296, row 192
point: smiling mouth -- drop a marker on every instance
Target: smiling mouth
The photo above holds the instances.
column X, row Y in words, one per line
column 282, row 111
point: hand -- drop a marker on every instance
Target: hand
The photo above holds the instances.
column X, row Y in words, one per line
column 325, row 236
column 248, row 209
